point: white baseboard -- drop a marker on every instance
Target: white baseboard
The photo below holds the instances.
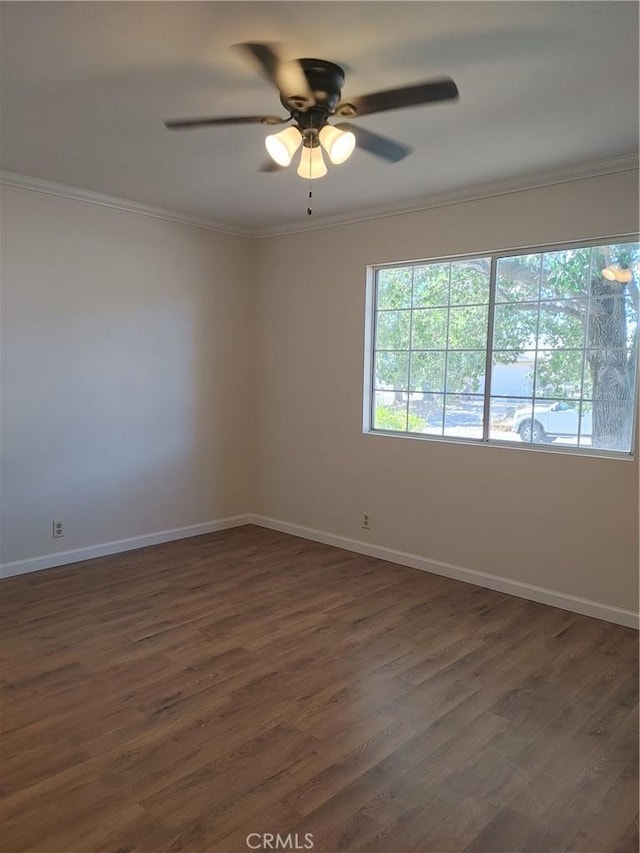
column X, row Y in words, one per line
column 104, row 549
column 573, row 603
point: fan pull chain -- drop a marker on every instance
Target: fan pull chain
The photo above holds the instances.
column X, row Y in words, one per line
column 309, row 210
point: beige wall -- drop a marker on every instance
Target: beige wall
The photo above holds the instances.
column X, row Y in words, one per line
column 126, row 360
column 156, row 375
column 565, row 522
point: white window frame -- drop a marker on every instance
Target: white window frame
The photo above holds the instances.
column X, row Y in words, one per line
column 495, row 257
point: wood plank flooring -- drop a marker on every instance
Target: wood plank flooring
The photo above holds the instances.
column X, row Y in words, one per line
column 181, row 697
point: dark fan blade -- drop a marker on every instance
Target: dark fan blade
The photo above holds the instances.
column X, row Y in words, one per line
column 443, row 89
column 381, row 146
column 186, row 123
column 270, row 165
column 288, row 77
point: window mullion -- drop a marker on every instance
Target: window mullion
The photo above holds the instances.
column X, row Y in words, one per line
column 445, row 398
column 486, row 413
column 585, row 345
column 534, row 387
column 410, row 353
column 374, row 349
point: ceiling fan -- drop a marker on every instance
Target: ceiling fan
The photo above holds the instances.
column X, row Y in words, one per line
column 311, row 92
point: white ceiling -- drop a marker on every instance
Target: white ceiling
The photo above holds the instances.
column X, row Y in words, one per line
column 85, row 87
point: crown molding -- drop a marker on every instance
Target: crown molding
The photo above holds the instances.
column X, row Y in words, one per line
column 12, row 179
column 507, row 186
column 566, row 174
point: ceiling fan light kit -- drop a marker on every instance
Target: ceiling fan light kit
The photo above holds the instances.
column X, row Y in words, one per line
column 282, row 146
column 312, row 163
column 338, row 144
column 615, row 273
column 311, row 92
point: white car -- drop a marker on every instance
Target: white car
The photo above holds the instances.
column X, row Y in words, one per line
column 550, row 421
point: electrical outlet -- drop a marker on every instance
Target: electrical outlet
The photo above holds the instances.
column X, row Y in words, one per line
column 58, row 529
column 366, row 521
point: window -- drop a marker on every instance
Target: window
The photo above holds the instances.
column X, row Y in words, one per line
column 536, row 348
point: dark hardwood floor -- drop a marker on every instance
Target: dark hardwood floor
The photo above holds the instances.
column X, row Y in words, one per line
column 180, row 697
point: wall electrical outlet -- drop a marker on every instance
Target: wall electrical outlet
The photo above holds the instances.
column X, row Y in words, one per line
column 58, row 529
column 366, row 521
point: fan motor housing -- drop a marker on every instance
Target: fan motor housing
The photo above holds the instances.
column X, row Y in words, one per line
column 326, row 80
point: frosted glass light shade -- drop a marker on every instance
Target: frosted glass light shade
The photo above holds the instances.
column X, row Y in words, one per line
column 338, row 144
column 312, row 163
column 282, row 146
column 616, row 273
